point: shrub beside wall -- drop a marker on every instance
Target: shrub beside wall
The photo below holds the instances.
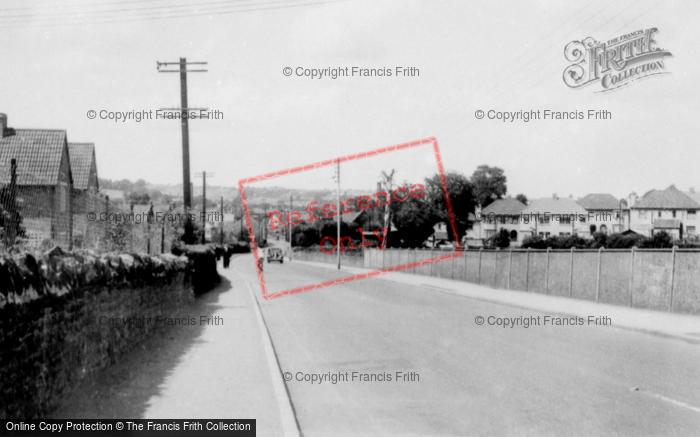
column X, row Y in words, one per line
column 63, row 316
column 202, row 259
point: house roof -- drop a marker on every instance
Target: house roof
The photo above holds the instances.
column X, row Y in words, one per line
column 667, row 223
column 599, row 201
column 38, row 153
column 693, row 195
column 350, row 217
column 554, row 205
column 82, row 156
column 670, row 198
column 508, row 206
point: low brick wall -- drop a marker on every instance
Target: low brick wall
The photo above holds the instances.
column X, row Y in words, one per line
column 63, row 316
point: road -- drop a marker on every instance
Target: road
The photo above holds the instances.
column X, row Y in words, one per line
column 473, row 380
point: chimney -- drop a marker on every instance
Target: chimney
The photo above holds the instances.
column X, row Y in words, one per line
column 632, row 199
column 3, row 124
column 379, row 187
column 554, row 196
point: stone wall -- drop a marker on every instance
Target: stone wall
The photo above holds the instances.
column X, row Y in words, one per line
column 63, row 316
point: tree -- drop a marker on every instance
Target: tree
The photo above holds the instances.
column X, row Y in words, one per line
column 660, row 240
column 414, row 220
column 489, row 184
column 521, row 198
column 461, row 192
column 305, row 235
column 502, row 239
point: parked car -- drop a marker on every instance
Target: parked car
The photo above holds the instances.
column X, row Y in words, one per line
column 275, row 254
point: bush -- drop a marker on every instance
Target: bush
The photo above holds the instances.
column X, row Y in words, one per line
column 620, row 241
column 533, row 242
column 502, row 239
column 202, row 265
column 659, row 240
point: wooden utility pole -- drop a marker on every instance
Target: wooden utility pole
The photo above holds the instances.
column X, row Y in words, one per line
column 184, row 115
column 14, row 222
column 337, row 205
column 221, row 228
column 388, row 182
column 204, row 175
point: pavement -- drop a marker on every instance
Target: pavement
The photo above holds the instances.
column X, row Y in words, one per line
column 224, row 368
column 405, row 355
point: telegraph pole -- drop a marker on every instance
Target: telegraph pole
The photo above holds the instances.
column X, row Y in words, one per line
column 204, row 175
column 289, row 222
column 186, row 190
column 221, row 228
column 337, row 204
column 14, row 223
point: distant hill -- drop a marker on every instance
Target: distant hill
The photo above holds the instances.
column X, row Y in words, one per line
column 271, row 196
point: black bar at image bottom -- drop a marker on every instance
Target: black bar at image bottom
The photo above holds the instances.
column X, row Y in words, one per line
column 128, row 427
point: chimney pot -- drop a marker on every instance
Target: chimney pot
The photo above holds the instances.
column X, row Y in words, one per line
column 3, row 124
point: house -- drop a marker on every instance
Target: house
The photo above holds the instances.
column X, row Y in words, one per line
column 554, row 216
column 669, row 210
column 605, row 213
column 84, row 197
column 441, row 235
column 44, row 181
column 502, row 214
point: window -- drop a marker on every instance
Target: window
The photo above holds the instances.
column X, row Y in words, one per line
column 691, row 215
column 674, row 213
column 691, row 230
column 514, row 235
column 593, row 229
column 604, row 229
column 658, row 214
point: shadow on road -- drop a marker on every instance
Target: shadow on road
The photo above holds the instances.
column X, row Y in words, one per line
column 123, row 389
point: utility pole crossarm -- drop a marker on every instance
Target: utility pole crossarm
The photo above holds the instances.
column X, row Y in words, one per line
column 186, row 186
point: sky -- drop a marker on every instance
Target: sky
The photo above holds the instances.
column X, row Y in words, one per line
column 61, row 59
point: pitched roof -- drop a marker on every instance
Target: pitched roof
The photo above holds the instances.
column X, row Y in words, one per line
column 82, row 155
column 670, row 198
column 554, row 205
column 599, row 201
column 693, row 195
column 350, row 217
column 508, row 206
column 38, row 153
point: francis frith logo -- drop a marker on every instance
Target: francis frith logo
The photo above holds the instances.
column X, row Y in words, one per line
column 614, row 63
